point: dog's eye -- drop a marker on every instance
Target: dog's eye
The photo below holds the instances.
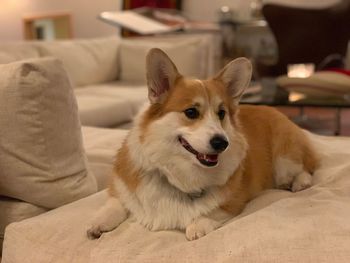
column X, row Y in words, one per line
column 221, row 114
column 191, row 113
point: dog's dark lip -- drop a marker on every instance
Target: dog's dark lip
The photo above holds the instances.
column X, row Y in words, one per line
column 205, row 159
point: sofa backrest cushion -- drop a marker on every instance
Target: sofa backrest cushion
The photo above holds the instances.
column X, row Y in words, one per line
column 42, row 160
column 185, row 53
column 11, row 52
column 88, row 61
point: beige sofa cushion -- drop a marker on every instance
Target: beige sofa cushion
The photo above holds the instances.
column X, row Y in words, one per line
column 278, row 226
column 135, row 95
column 11, row 52
column 13, row 210
column 186, row 54
column 103, row 111
column 42, row 160
column 86, row 61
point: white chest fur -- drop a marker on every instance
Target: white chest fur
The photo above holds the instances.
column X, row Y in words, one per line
column 158, row 205
column 168, row 173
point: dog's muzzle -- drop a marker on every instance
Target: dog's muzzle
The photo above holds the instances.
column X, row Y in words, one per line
column 205, row 159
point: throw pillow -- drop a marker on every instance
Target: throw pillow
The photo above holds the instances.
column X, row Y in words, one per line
column 42, row 160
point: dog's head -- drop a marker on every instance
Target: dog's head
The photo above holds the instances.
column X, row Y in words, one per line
column 191, row 124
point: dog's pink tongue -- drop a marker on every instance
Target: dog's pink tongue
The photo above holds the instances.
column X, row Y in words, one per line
column 208, row 157
column 211, row 157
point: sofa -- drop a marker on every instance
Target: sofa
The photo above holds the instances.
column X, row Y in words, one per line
column 53, row 172
column 108, row 74
column 107, row 77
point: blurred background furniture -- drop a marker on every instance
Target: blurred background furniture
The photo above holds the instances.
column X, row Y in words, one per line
column 132, row 4
column 48, row 26
column 320, row 115
column 306, row 35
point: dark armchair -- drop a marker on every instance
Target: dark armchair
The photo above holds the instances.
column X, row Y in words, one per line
column 318, row 36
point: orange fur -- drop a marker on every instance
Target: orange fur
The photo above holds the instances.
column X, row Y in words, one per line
column 268, row 133
column 125, row 170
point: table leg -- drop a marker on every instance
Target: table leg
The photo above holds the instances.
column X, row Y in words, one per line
column 337, row 121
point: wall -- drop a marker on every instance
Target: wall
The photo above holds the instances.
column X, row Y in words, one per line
column 84, row 14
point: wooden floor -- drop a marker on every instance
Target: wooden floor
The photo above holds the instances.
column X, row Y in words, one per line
column 320, row 120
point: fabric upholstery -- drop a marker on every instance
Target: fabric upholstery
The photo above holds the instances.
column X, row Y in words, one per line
column 11, row 52
column 42, row 160
column 278, row 226
column 103, row 111
column 209, row 45
column 86, row 61
column 95, row 64
column 185, row 54
column 135, row 95
column 13, row 210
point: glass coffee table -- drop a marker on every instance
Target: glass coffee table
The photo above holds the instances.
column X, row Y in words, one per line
column 271, row 95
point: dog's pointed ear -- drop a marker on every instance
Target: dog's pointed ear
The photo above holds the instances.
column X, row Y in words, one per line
column 236, row 77
column 161, row 75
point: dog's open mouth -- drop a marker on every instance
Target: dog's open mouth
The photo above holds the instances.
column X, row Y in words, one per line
column 205, row 159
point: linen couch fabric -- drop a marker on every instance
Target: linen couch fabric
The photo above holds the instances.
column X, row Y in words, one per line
column 208, row 44
column 86, row 61
column 186, row 55
column 13, row 210
column 136, row 95
column 94, row 65
column 11, row 52
column 104, row 111
column 278, row 226
column 42, row 160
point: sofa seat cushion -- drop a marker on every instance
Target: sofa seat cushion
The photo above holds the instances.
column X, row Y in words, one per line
column 87, row 61
column 13, row 210
column 135, row 94
column 101, row 146
column 42, row 159
column 312, row 225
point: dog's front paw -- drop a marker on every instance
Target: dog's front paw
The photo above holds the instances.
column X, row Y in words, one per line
column 194, row 232
column 301, row 182
column 111, row 215
column 94, row 232
column 200, row 227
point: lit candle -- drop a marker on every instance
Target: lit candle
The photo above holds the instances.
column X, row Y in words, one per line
column 300, row 70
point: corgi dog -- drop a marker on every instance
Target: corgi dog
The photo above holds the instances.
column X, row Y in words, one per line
column 195, row 157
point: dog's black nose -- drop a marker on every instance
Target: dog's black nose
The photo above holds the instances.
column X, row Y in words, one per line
column 218, row 143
